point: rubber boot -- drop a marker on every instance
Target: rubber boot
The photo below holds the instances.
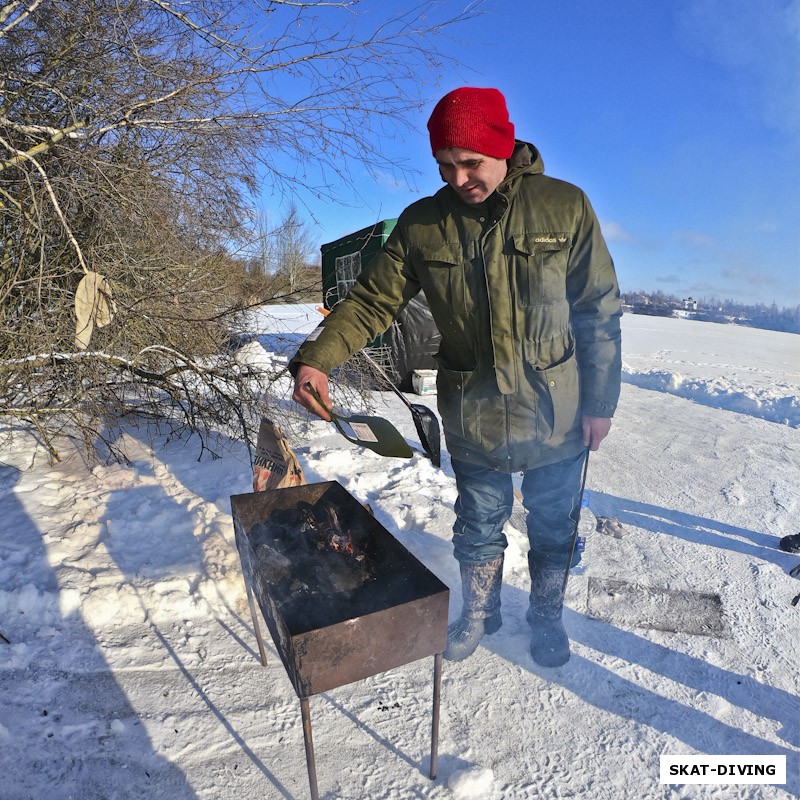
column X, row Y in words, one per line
column 549, row 643
column 480, row 614
column 791, row 544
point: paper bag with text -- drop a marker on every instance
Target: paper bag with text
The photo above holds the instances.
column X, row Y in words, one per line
column 275, row 465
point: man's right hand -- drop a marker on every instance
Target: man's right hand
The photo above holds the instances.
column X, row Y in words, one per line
column 319, row 380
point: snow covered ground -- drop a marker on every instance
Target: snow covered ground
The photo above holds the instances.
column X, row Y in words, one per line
column 131, row 671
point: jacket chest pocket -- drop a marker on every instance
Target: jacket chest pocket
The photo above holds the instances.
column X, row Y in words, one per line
column 541, row 267
column 447, row 278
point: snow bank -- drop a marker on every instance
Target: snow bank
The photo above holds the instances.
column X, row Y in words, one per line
column 778, row 404
column 730, row 367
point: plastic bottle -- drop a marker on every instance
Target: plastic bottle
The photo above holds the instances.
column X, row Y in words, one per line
column 587, row 525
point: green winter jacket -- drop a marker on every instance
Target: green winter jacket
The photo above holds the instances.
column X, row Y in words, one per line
column 523, row 291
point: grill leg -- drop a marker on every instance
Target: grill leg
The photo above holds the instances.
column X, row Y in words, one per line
column 437, row 692
column 261, row 650
column 312, row 769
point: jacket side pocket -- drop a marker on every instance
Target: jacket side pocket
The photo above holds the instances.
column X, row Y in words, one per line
column 562, row 385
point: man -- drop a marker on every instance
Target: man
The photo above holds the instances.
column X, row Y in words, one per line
column 523, row 291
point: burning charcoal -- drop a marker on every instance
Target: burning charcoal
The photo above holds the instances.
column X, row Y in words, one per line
column 316, row 558
column 307, row 514
column 341, row 542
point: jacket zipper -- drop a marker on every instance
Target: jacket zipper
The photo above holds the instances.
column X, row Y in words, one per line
column 491, row 328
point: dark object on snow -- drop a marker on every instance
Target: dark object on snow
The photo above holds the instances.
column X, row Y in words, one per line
column 3, row 639
column 425, row 421
column 636, row 606
column 610, row 526
column 342, row 598
column 791, row 544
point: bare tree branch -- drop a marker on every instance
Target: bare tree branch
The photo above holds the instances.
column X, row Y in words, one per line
column 9, row 8
column 135, row 137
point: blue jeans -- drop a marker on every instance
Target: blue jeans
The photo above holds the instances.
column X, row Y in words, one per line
column 551, row 495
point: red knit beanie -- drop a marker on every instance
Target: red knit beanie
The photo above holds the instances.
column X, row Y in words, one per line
column 475, row 119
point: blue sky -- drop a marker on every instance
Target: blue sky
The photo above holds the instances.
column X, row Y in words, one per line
column 679, row 118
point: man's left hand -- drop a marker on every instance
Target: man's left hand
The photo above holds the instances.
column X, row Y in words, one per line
column 595, row 429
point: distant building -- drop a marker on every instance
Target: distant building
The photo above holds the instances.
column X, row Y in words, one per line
column 690, row 304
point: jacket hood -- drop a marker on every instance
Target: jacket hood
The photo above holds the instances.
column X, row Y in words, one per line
column 525, row 158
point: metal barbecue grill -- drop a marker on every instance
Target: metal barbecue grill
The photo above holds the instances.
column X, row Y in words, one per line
column 343, row 600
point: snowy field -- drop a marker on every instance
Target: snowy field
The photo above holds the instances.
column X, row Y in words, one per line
column 130, row 668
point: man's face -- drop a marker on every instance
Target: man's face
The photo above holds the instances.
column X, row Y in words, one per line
column 473, row 175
